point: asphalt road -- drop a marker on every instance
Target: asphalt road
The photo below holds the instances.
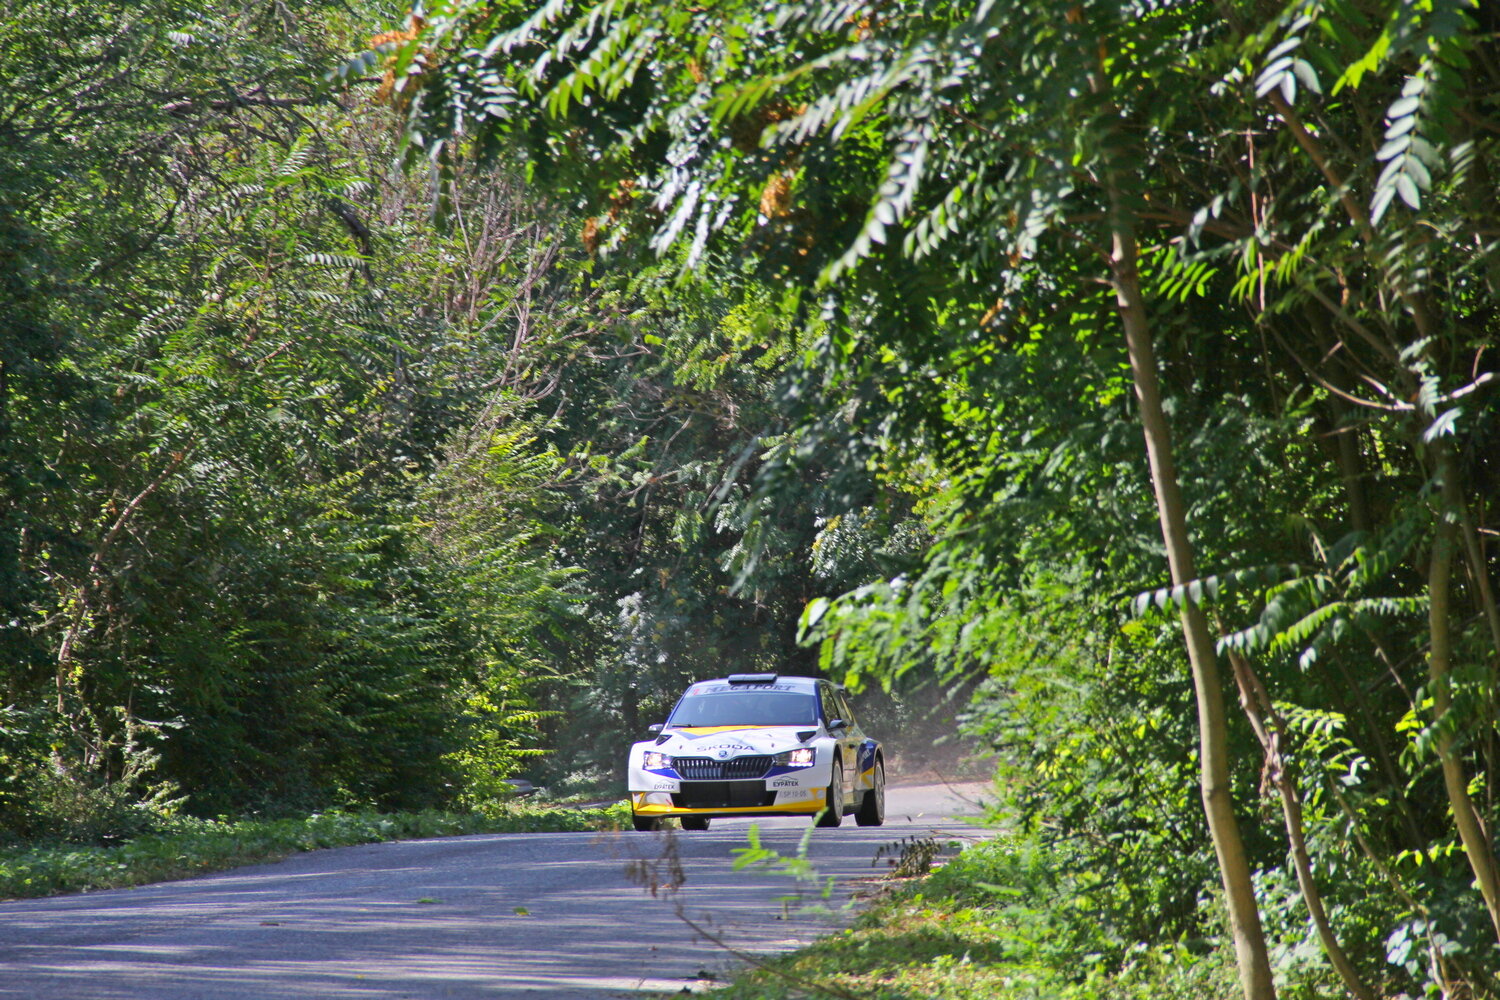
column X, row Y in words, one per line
column 541, row 916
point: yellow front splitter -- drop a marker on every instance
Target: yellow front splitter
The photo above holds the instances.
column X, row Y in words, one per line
column 808, row 806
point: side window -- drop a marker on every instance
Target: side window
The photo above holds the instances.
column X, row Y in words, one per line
column 846, row 712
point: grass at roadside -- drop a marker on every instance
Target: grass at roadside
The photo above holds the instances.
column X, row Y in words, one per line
column 187, row 847
column 996, row 923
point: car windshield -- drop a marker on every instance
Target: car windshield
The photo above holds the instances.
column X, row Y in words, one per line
column 747, row 708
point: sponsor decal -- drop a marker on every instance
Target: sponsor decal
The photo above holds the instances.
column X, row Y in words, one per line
column 665, row 786
column 704, row 689
column 784, row 783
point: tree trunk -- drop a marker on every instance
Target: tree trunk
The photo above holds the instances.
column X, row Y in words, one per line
column 1213, row 745
column 1270, row 729
column 1471, row 832
column 1351, row 470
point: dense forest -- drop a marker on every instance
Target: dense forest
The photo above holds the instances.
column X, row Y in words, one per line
column 393, row 400
column 313, row 498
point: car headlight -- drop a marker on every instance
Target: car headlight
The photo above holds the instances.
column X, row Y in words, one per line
column 801, row 757
column 656, row 760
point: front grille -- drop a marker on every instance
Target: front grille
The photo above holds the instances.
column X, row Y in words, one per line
column 734, row 769
column 723, row 795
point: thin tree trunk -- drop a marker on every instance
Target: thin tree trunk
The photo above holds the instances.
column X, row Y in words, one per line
column 1270, row 729
column 1213, row 745
column 1471, row 832
column 1479, row 569
column 1351, row 470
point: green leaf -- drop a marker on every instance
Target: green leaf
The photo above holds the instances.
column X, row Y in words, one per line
column 1308, row 75
column 1445, row 425
column 1407, row 189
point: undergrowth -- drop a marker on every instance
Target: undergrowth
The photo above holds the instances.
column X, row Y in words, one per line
column 183, row 847
column 1002, row 921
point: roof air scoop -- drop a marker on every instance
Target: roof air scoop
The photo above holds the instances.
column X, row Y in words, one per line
column 752, row 678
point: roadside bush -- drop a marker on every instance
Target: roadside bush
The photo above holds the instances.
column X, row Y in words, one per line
column 78, row 807
column 1004, row 920
column 110, row 795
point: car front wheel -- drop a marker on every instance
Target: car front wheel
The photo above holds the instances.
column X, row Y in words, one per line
column 833, row 814
column 872, row 805
column 645, row 824
column 695, row 822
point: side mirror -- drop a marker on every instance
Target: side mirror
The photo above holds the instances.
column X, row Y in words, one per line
column 837, row 724
column 655, row 727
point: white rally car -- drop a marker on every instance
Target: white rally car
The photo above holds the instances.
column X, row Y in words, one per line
column 758, row 745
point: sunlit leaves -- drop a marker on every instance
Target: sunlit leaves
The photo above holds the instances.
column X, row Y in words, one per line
column 1409, row 159
column 1208, row 589
column 1285, row 68
column 1317, row 257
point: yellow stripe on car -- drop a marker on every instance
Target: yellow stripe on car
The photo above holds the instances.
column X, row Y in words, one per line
column 811, row 805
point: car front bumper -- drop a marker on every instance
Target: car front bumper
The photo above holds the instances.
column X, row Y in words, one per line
column 709, row 798
column 728, row 791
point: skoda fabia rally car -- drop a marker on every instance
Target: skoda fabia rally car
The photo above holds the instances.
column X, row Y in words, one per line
column 758, row 745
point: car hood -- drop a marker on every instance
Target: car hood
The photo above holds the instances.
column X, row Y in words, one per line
column 724, row 742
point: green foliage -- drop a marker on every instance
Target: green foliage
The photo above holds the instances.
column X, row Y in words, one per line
column 946, row 187
column 241, row 350
column 797, row 866
column 1002, row 919
column 363, row 509
column 640, row 472
column 86, row 806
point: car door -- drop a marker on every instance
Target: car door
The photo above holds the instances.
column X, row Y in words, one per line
column 849, row 738
column 857, row 744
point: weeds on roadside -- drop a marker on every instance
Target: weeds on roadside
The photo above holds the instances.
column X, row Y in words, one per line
column 998, row 922
column 909, row 856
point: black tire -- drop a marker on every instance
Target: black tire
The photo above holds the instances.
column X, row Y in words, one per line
column 695, row 822
column 871, row 810
column 833, row 815
column 645, row 824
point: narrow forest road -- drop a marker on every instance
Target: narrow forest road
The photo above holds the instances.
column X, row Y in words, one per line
column 547, row 916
